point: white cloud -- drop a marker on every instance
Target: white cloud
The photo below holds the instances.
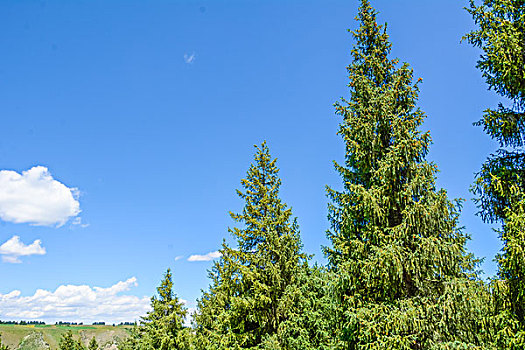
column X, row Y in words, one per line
column 177, row 258
column 189, row 315
column 78, row 222
column 11, row 259
column 189, row 58
column 76, row 304
column 14, row 248
column 35, row 197
column 205, row 257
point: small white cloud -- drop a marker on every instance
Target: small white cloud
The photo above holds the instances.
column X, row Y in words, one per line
column 36, row 198
column 78, row 222
column 177, row 258
column 189, row 315
column 76, row 304
column 11, row 259
column 189, row 59
column 206, row 257
column 14, row 248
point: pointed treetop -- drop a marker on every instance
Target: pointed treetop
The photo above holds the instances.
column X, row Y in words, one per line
column 263, row 210
column 93, row 345
column 165, row 290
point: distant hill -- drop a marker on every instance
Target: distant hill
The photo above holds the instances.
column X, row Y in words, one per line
column 47, row 337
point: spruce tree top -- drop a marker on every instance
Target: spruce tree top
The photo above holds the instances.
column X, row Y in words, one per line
column 93, row 345
column 264, row 215
column 398, row 256
column 166, row 308
column 385, row 170
column 255, row 284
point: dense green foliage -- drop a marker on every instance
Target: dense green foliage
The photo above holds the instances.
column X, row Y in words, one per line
column 260, row 296
column 163, row 327
column 93, row 345
column 402, row 276
column 500, row 185
column 68, row 343
column 398, row 274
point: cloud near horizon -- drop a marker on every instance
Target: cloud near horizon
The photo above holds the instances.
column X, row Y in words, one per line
column 36, row 198
column 206, row 257
column 76, row 304
column 13, row 249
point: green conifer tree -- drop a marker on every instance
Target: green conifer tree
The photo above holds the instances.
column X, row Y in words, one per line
column 133, row 341
column 402, row 277
column 93, row 345
column 163, row 327
column 500, row 185
column 68, row 343
column 254, row 298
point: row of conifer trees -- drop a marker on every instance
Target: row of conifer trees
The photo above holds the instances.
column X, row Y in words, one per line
column 398, row 274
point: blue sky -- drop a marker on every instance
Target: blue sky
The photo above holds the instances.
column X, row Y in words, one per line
column 145, row 114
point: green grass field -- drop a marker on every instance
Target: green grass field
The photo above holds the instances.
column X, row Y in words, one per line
column 105, row 335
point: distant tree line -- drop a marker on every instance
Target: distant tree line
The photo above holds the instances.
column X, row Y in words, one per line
column 62, row 323
column 23, row 322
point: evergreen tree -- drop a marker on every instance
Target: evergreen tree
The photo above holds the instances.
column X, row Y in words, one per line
column 68, row 343
column 163, row 327
column 500, row 185
column 133, row 341
column 93, row 345
column 311, row 326
column 402, row 276
column 254, row 300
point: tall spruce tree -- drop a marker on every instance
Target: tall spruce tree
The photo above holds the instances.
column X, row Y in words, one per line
column 500, row 185
column 403, row 279
column 256, row 298
column 163, row 327
column 164, row 324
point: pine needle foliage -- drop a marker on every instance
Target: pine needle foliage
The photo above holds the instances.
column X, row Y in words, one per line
column 163, row 327
column 255, row 294
column 93, row 345
column 68, row 343
column 501, row 36
column 402, row 276
column 500, row 185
